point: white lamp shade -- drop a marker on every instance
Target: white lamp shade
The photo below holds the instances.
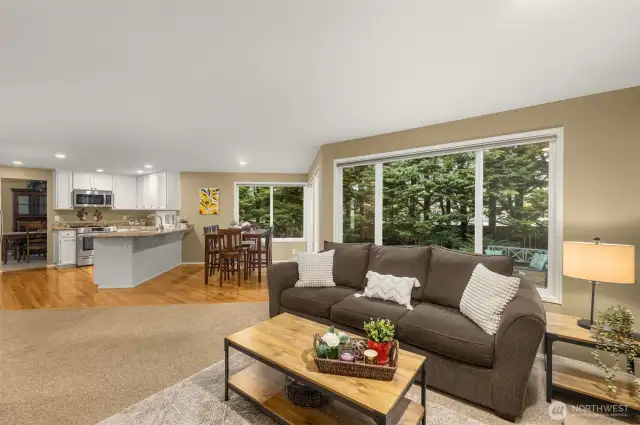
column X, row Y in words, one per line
column 599, row 262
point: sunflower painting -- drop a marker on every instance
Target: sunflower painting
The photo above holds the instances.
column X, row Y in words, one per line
column 209, row 201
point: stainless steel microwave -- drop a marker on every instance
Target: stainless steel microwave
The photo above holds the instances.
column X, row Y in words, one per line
column 93, row 198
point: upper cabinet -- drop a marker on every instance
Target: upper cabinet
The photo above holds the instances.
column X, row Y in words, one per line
column 63, row 185
column 92, row 181
column 124, row 193
column 155, row 191
column 159, row 191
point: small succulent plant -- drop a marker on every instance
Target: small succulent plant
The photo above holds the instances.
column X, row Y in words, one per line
column 380, row 330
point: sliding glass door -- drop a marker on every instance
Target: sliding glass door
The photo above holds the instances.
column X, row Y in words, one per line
column 494, row 197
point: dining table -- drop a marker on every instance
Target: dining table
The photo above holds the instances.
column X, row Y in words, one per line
column 254, row 234
column 8, row 237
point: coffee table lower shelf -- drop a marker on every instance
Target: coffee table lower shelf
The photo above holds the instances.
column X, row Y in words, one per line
column 264, row 386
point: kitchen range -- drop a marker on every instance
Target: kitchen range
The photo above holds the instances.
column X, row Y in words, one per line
column 84, row 243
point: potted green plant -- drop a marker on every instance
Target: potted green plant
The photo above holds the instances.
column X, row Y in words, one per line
column 614, row 333
column 380, row 333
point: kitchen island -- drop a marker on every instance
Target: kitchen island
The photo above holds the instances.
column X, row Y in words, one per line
column 127, row 258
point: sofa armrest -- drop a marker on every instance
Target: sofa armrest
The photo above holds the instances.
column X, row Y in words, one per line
column 280, row 276
column 519, row 335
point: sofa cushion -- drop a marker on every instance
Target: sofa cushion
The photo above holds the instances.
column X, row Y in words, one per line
column 355, row 312
column 446, row 331
column 314, row 301
column 401, row 261
column 450, row 271
column 350, row 263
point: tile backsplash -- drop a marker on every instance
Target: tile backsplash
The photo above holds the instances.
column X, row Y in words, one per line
column 69, row 216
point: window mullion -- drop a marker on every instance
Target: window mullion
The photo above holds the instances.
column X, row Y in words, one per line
column 378, row 204
column 270, row 206
column 479, row 191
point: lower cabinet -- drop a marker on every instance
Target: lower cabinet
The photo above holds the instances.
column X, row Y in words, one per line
column 65, row 248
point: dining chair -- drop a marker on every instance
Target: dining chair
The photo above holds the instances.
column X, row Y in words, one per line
column 36, row 239
column 232, row 254
column 262, row 257
column 216, row 243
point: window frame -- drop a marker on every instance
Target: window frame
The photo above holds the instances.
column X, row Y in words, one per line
column 271, row 185
column 554, row 136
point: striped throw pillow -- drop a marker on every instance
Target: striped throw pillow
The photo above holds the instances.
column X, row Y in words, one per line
column 486, row 297
column 315, row 269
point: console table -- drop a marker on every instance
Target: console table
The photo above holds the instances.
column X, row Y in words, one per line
column 580, row 378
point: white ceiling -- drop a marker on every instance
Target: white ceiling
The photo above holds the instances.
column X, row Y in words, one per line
column 202, row 84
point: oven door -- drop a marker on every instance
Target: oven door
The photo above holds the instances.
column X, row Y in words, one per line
column 84, row 245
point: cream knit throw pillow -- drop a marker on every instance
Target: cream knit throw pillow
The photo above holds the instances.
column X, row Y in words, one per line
column 315, row 269
column 486, row 296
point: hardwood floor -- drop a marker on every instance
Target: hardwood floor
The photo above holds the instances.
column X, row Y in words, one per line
column 72, row 288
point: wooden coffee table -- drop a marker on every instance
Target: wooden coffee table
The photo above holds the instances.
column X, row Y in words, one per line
column 283, row 347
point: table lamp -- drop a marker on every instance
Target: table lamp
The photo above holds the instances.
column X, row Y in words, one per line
column 598, row 262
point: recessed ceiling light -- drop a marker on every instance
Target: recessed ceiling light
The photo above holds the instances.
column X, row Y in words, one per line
column 99, row 170
column 16, row 162
column 60, row 155
column 148, row 166
column 243, row 162
column 139, row 171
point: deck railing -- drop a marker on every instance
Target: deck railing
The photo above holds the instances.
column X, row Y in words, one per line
column 520, row 255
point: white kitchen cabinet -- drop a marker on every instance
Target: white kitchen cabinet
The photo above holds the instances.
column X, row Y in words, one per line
column 92, row 181
column 102, row 182
column 83, row 181
column 65, row 252
column 140, row 195
column 162, row 191
column 125, row 193
column 152, row 191
column 159, row 191
column 62, row 186
column 173, row 191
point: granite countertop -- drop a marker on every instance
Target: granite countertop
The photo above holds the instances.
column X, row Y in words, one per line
column 88, row 223
column 141, row 232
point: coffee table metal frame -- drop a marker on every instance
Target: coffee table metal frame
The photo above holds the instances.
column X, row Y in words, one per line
column 379, row 418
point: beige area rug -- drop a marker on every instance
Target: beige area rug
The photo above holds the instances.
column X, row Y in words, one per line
column 198, row 400
column 77, row 367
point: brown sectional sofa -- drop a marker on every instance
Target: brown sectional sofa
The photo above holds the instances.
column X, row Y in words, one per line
column 462, row 359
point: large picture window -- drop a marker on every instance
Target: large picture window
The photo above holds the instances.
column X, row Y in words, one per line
column 496, row 196
column 280, row 206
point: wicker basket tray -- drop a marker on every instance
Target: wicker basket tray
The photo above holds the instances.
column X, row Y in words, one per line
column 357, row 369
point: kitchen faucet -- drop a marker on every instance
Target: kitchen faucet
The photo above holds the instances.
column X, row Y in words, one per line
column 161, row 228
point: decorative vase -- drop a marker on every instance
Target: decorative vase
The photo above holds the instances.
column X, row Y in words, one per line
column 382, row 348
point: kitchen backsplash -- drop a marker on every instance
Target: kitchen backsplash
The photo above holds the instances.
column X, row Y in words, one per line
column 69, row 216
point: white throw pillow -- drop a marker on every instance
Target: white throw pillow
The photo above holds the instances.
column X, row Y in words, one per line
column 315, row 269
column 390, row 288
column 486, row 296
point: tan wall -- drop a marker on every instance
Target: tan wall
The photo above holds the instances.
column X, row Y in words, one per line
column 7, row 201
column 601, row 177
column 34, row 174
column 190, row 184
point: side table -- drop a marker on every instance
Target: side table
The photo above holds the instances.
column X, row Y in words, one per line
column 586, row 381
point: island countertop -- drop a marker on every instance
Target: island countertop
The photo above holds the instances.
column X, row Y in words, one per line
column 139, row 233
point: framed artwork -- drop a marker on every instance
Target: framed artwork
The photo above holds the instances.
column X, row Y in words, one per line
column 209, row 201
